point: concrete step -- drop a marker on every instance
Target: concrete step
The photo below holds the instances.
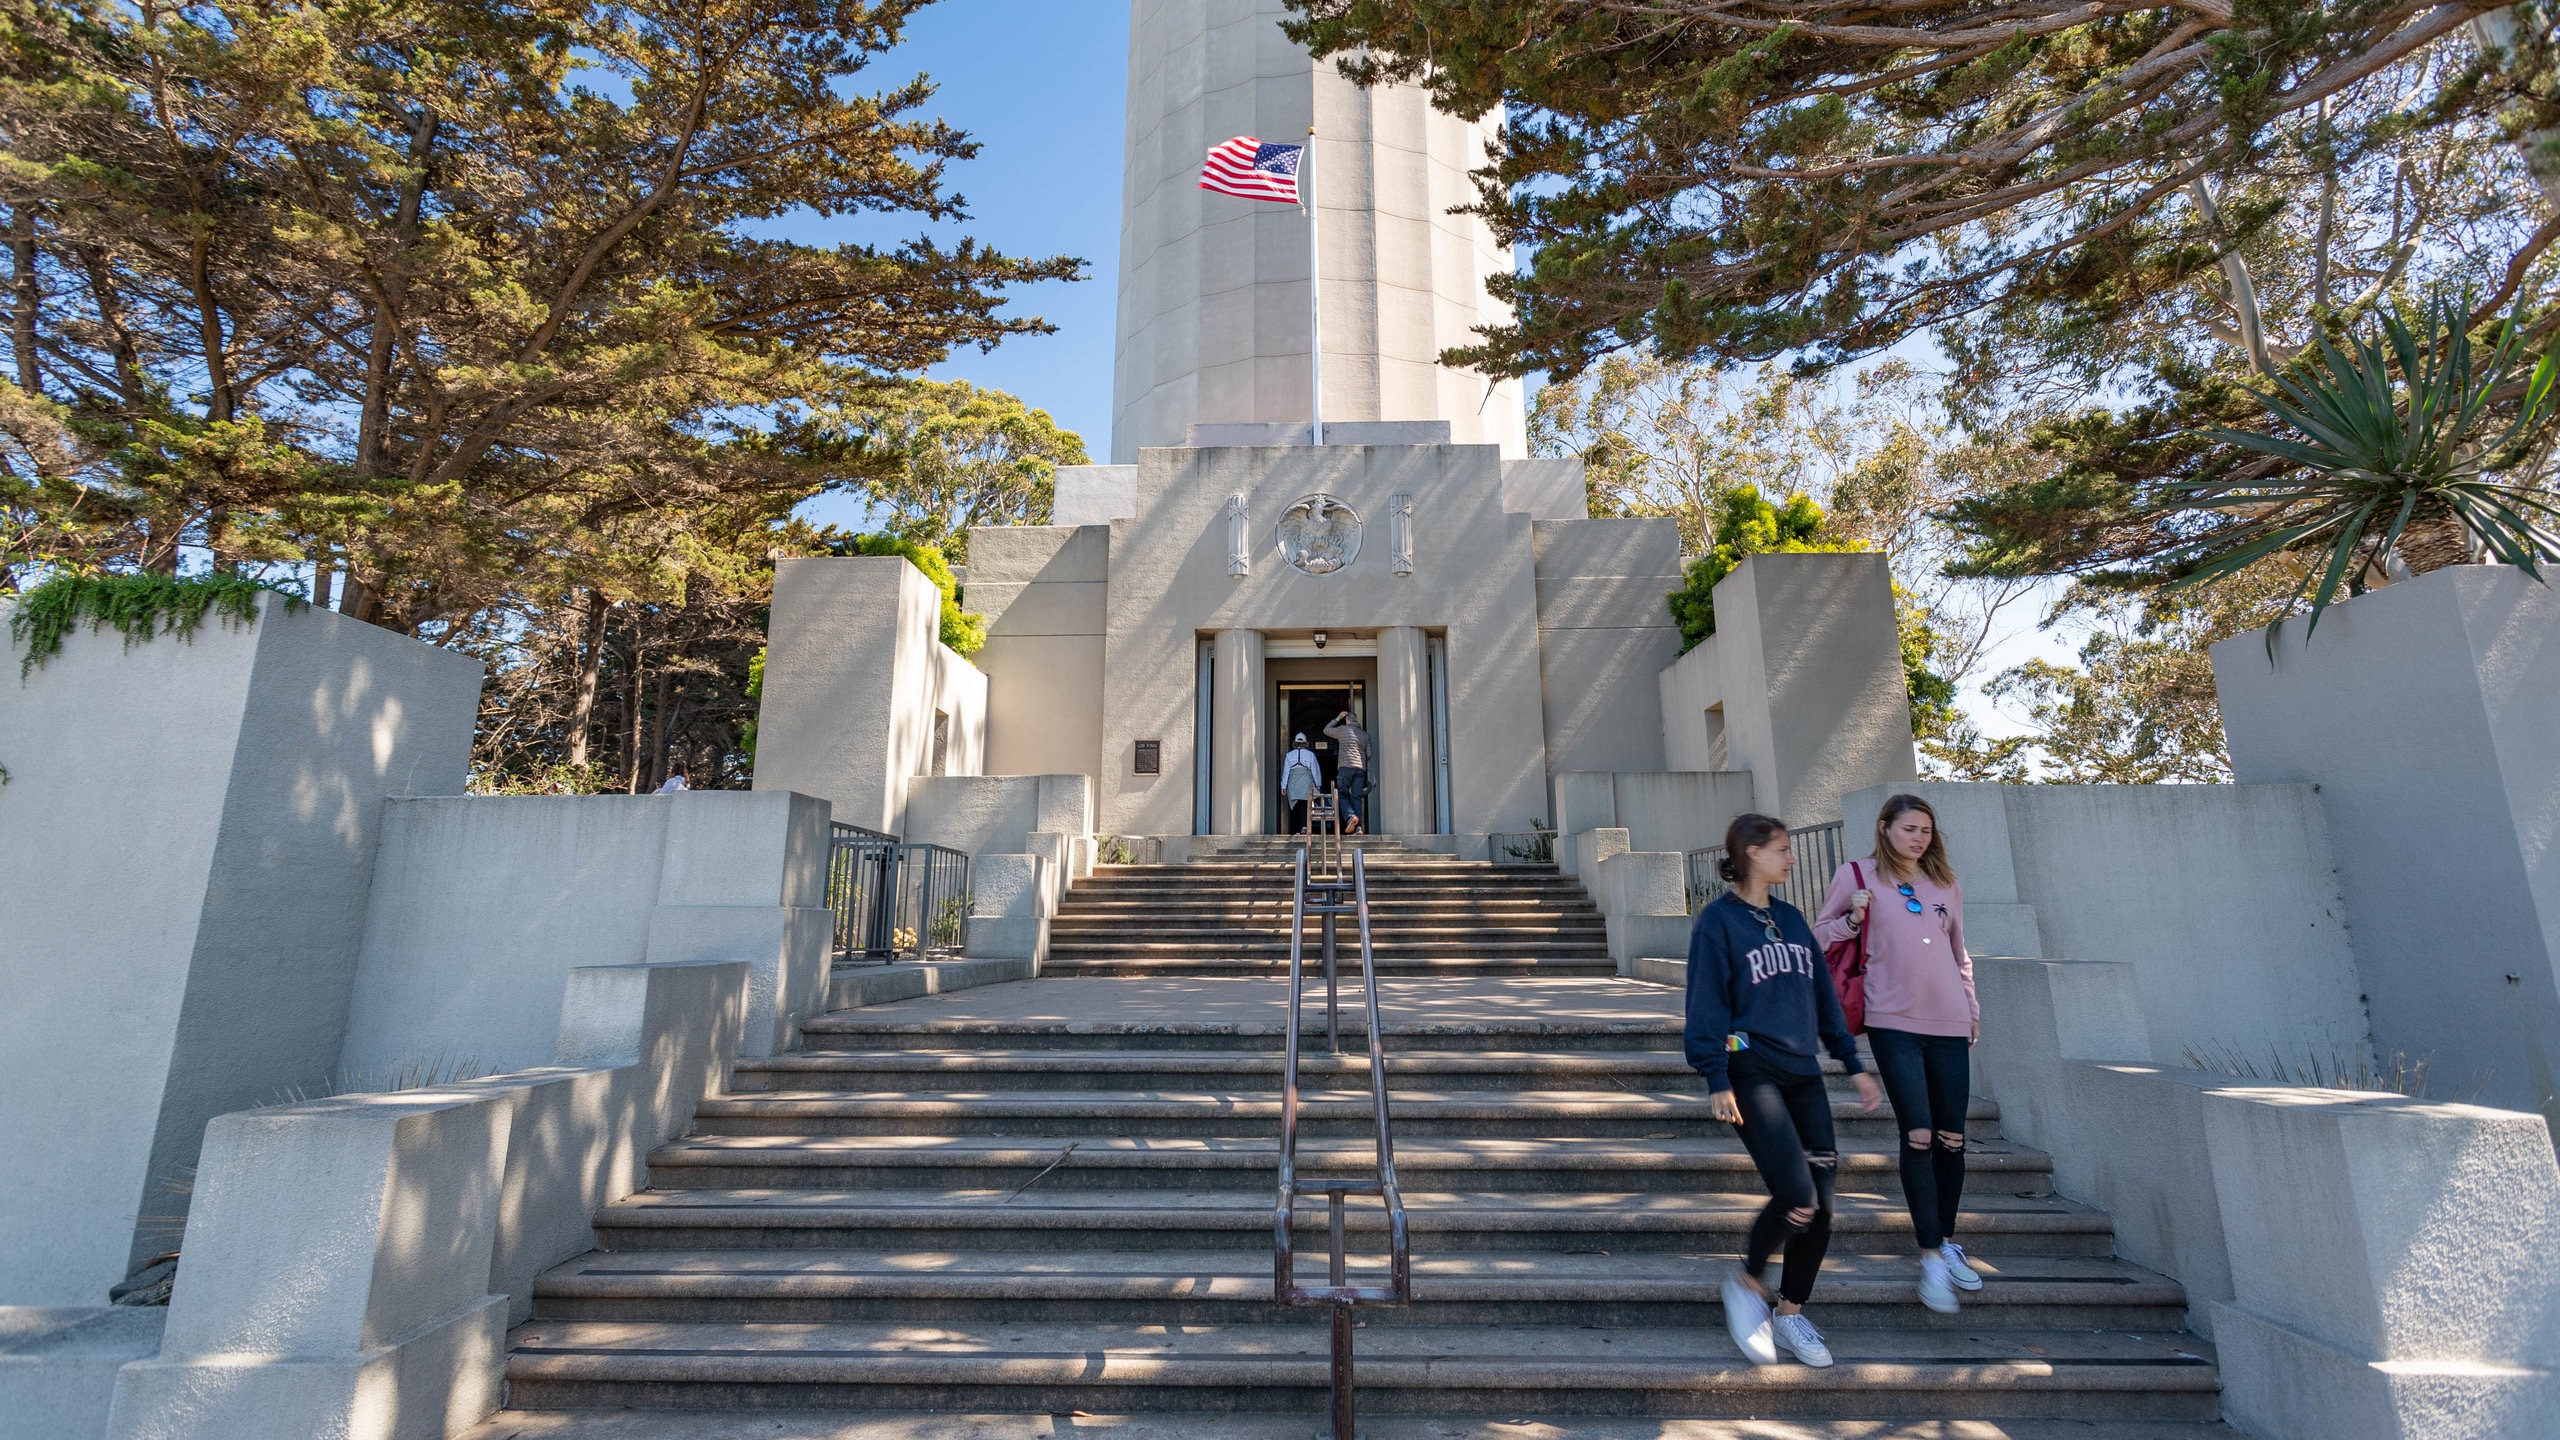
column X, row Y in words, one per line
column 1234, row 1287
column 890, row 1029
column 1171, row 923
column 1680, row 1165
column 1403, row 1369
column 1333, row 1113
column 1508, row 937
column 1278, row 881
column 994, row 1071
column 517, row 1424
column 1389, row 967
column 1060, row 1213
column 1274, row 910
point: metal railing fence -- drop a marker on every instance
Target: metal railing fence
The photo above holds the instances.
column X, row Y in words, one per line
column 1818, row 856
column 1128, row 849
column 892, row 898
column 1520, row 847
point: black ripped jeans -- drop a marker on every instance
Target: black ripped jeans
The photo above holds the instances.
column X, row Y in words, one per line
column 1928, row 1078
column 1786, row 1125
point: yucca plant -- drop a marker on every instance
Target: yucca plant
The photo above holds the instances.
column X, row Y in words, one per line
column 2385, row 439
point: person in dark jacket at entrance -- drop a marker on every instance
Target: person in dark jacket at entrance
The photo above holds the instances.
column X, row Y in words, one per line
column 1761, row 1012
column 1351, row 771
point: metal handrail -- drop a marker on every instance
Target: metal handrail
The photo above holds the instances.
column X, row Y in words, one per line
column 1328, row 903
column 1324, row 827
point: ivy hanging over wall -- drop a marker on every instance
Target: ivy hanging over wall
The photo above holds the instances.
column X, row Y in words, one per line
column 139, row 606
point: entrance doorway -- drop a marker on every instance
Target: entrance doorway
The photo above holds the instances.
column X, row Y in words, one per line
column 1307, row 707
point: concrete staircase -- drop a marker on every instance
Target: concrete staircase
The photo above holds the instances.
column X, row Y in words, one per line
column 1228, row 914
column 1047, row 1200
column 1053, row 1199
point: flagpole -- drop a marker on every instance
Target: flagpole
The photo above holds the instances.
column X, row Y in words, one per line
column 1315, row 293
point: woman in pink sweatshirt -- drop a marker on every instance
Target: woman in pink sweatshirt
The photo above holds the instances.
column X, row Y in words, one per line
column 1922, row 1019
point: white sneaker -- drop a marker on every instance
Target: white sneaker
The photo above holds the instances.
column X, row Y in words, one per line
column 1964, row 1276
column 1796, row 1335
column 1936, row 1288
column 1746, row 1317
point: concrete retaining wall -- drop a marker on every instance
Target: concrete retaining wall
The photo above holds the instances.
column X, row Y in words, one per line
column 186, row 844
column 2368, row 1265
column 485, row 905
column 2222, row 898
column 308, row 1306
column 1678, row 810
column 2424, row 716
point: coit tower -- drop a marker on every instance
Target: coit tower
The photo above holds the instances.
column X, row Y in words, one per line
column 1214, row 315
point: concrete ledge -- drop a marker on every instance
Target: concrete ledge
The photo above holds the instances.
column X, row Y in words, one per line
column 352, row 1262
column 58, row 1364
column 1656, row 970
column 2285, row 1385
column 1579, row 852
column 854, row 986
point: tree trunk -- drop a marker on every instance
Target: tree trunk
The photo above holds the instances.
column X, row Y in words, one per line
column 2433, row 544
column 362, row 601
column 590, row 665
column 631, row 720
column 665, row 731
column 22, row 315
column 323, row 570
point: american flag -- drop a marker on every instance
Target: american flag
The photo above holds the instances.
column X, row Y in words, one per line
column 1250, row 170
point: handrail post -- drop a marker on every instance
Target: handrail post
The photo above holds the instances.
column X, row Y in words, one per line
column 1332, row 997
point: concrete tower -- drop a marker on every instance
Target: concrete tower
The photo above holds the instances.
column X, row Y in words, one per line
column 1213, row 289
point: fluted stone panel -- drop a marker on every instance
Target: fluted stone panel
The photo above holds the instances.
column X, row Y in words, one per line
column 1213, row 289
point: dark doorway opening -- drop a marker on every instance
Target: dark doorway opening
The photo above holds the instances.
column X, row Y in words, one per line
column 1305, row 709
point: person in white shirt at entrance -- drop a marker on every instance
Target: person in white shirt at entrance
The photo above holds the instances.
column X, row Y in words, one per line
column 1299, row 777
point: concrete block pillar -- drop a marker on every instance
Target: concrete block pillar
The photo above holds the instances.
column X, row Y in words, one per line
column 1011, row 898
column 2390, row 1266
column 857, row 685
column 2423, row 713
column 187, row 850
column 1642, row 896
column 1815, row 702
column 1236, row 807
column 1400, row 781
column 338, row 1249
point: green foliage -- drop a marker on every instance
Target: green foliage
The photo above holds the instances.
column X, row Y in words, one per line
column 591, row 778
column 1744, row 180
column 137, row 606
column 961, row 631
column 2137, row 710
column 1745, row 525
column 947, row 455
column 2395, row 433
column 755, row 697
column 1933, row 696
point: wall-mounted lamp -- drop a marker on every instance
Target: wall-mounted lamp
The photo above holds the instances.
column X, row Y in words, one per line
column 1320, row 639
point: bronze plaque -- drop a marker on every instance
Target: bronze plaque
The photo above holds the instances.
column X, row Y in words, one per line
column 1150, row 757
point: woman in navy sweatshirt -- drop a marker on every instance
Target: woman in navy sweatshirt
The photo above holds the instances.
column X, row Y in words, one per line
column 1760, row 999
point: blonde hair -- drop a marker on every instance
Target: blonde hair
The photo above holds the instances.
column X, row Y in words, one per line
column 1933, row 861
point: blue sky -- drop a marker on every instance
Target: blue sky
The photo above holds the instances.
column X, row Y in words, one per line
column 1040, row 84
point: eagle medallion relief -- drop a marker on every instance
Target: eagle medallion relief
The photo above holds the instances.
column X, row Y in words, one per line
column 1318, row 535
